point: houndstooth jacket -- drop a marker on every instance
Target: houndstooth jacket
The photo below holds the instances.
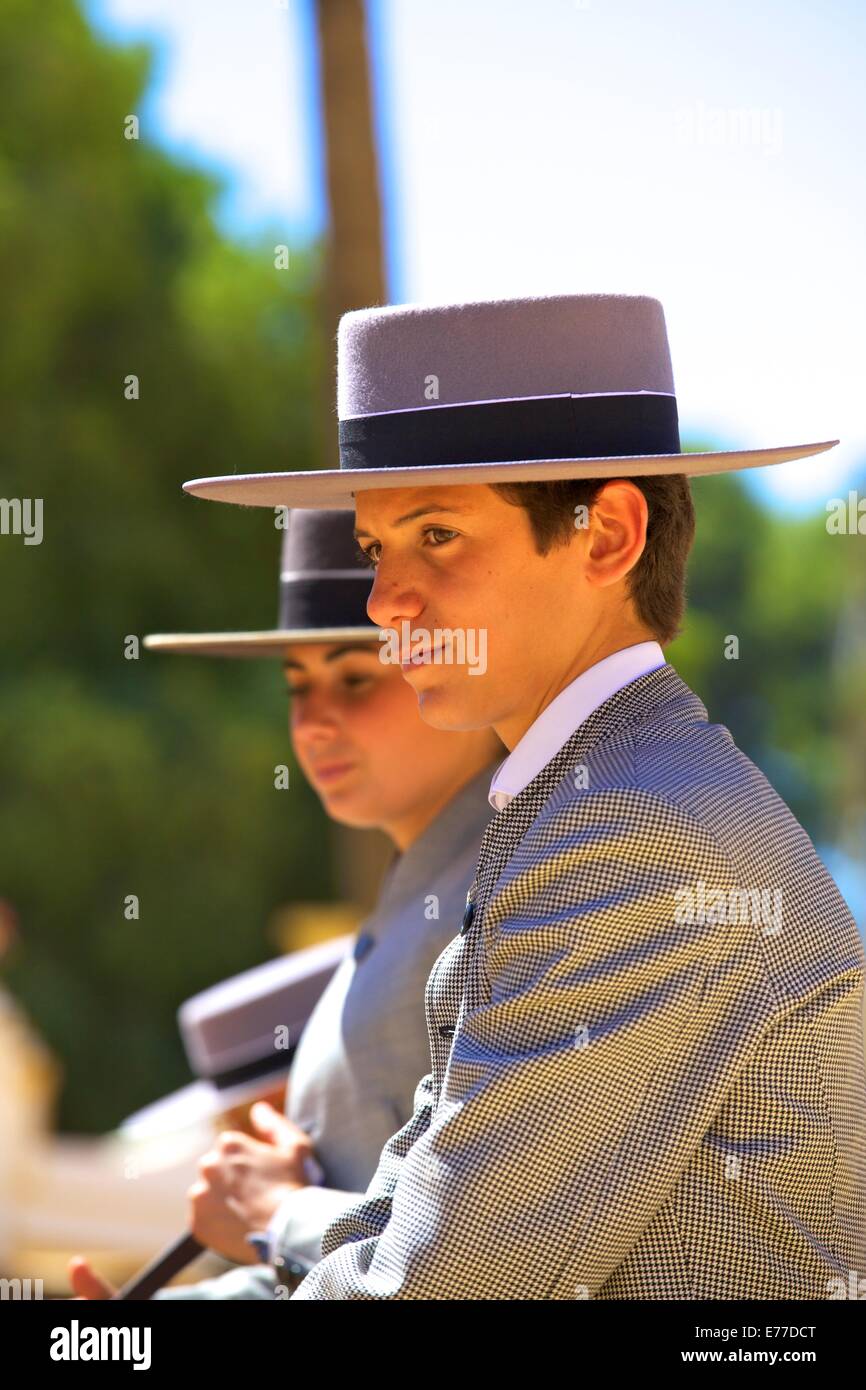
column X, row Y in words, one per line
column 647, row 1045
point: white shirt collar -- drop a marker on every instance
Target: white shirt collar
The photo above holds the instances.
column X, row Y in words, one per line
column 565, row 713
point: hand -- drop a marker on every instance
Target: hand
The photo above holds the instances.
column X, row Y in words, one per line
column 86, row 1283
column 243, row 1181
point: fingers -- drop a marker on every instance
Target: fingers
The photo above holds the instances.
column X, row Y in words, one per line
column 86, row 1283
column 210, row 1163
column 267, row 1120
column 277, row 1128
column 197, row 1195
column 216, row 1223
column 231, row 1141
column 216, row 1165
column 207, row 1205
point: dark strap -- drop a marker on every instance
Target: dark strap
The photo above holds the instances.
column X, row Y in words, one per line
column 532, row 427
column 252, row 1071
column 170, row 1262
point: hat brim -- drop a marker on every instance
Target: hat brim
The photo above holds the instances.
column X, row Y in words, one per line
column 253, row 644
column 196, row 1104
column 191, row 1105
column 336, row 487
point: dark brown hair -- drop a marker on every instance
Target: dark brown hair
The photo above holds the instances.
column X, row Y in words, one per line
column 657, row 583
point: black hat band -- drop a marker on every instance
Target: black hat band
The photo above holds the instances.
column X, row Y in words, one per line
column 609, row 425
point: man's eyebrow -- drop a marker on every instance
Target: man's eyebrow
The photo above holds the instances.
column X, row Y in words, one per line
column 419, row 511
column 291, row 665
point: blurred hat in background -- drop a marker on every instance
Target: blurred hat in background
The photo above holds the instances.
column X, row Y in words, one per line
column 324, row 587
column 240, row 1037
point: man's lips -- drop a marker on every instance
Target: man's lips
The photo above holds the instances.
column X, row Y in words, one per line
column 426, row 654
column 327, row 772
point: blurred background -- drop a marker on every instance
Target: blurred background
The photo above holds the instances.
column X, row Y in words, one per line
column 191, row 194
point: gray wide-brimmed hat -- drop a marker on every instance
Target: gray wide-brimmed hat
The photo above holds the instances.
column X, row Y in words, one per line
column 324, row 587
column 494, row 391
column 240, row 1036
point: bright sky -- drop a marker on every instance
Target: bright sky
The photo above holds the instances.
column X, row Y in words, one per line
column 711, row 155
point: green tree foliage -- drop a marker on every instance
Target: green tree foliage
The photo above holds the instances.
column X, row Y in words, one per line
column 154, row 776
column 779, row 586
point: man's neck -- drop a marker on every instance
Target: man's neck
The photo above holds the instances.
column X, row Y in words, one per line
column 512, row 728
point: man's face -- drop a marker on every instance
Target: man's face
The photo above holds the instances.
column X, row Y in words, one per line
column 462, row 558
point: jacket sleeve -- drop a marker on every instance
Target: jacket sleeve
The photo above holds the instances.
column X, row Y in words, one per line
column 370, row 1215
column 299, row 1222
column 575, row 1094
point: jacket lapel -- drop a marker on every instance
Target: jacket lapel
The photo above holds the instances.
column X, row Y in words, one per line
column 645, row 697
column 454, row 983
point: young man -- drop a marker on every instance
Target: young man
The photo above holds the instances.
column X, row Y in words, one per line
column 360, row 742
column 647, row 1064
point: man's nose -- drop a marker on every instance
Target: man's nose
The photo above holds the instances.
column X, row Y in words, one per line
column 313, row 714
column 393, row 597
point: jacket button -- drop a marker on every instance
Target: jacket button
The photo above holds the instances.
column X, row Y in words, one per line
column 445, row 1031
column 363, row 946
column 467, row 918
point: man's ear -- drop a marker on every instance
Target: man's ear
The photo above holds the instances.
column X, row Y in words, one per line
column 617, row 532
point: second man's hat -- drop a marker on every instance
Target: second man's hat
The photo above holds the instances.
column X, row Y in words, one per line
column 324, row 587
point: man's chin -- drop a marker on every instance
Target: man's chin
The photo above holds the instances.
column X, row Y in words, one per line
column 356, row 814
column 449, row 709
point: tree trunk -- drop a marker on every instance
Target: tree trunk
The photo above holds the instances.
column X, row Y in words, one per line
column 353, row 278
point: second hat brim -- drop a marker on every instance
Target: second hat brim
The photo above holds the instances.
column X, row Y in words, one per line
column 195, row 1104
column 337, row 487
column 253, row 644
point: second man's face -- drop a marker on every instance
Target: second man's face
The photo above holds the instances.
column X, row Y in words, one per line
column 359, row 737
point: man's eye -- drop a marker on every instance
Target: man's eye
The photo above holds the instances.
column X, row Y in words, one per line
column 372, row 559
column 295, row 690
column 367, row 555
column 442, row 531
